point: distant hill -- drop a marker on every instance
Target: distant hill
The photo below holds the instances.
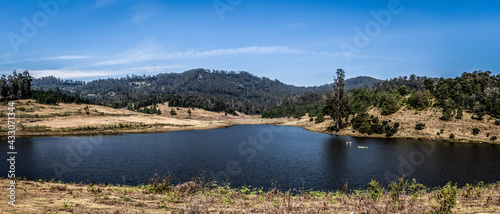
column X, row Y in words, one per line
column 361, row 81
column 209, row 89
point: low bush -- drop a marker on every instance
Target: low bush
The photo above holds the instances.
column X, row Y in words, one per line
column 446, row 198
column 374, row 190
column 475, row 131
column 420, row 126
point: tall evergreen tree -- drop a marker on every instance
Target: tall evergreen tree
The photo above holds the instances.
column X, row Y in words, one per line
column 338, row 101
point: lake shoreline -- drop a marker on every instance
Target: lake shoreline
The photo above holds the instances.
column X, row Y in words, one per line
column 39, row 120
column 23, row 134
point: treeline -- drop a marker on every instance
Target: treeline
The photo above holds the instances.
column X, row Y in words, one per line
column 297, row 106
column 477, row 92
column 179, row 101
column 55, row 97
column 151, row 110
column 213, row 90
column 52, row 82
column 16, row 86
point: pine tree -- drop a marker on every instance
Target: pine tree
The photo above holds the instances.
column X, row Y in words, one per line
column 172, row 112
column 338, row 102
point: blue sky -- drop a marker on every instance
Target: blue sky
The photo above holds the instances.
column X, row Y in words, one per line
column 296, row 42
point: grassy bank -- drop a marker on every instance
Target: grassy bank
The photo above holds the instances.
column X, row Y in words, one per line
column 202, row 197
column 435, row 129
column 34, row 119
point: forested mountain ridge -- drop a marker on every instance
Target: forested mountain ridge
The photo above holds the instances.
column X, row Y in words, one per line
column 209, row 89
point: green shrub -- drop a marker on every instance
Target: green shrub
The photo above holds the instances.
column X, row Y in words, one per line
column 497, row 122
column 475, row 131
column 460, row 113
column 397, row 188
column 396, row 125
column 94, row 188
column 320, row 118
column 377, row 128
column 494, row 138
column 420, row 126
column 374, row 190
column 446, row 198
column 158, row 185
column 414, row 189
column 452, row 136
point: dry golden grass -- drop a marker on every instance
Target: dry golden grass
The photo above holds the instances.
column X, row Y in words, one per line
column 193, row 197
column 461, row 128
column 70, row 119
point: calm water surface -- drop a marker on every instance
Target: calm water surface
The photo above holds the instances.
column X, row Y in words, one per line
column 256, row 155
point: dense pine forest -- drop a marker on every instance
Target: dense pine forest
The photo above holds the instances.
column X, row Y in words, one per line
column 348, row 101
column 212, row 90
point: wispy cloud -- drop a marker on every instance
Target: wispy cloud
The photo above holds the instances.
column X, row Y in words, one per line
column 6, row 55
column 158, row 68
column 152, row 52
column 143, row 13
column 71, row 74
column 297, row 25
column 235, row 51
column 67, row 57
column 151, row 57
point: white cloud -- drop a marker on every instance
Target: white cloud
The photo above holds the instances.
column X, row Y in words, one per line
column 153, row 52
column 236, row 51
column 143, row 53
column 297, row 25
column 70, row 74
column 158, row 68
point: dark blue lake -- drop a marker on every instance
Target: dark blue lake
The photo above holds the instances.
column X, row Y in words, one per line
column 256, row 155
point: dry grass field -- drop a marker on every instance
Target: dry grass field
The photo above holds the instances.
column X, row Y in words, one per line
column 200, row 197
column 73, row 119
